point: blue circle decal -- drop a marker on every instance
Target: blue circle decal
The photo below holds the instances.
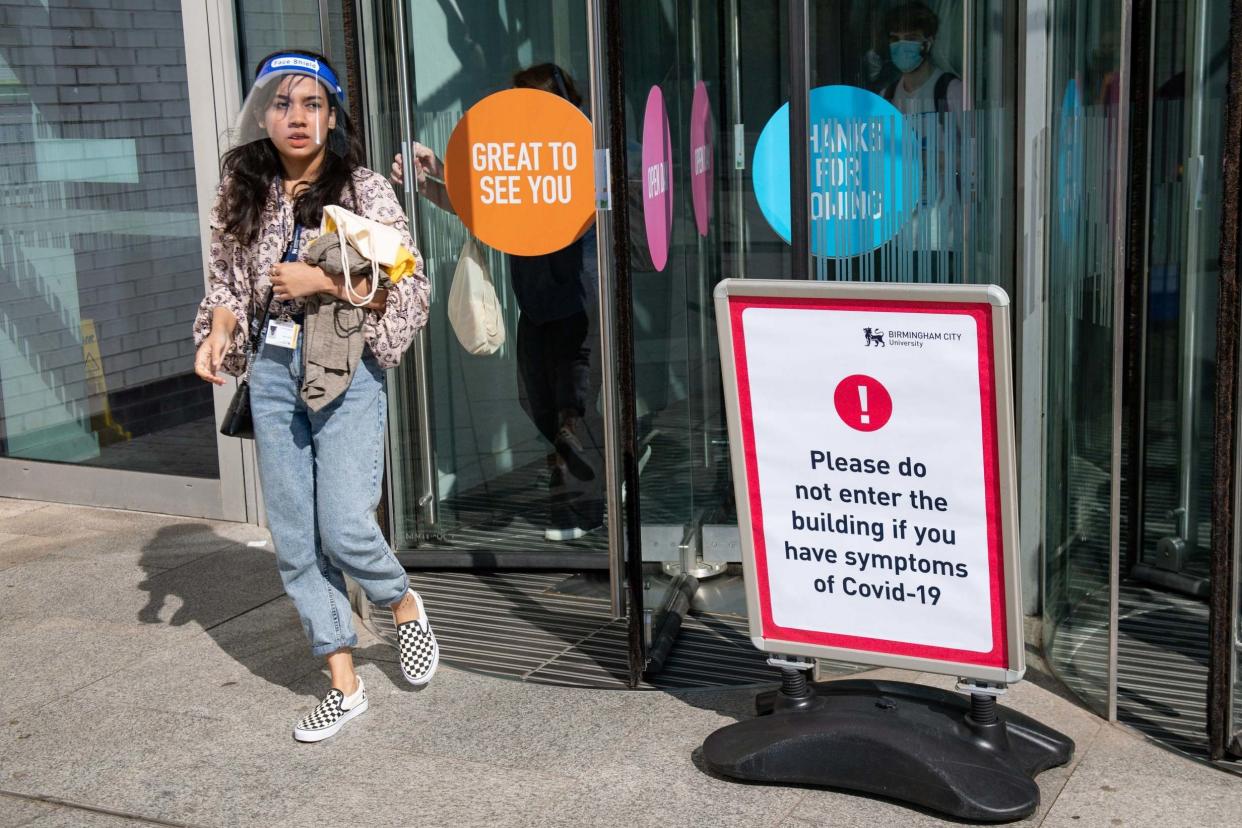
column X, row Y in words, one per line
column 863, row 169
column 1070, row 167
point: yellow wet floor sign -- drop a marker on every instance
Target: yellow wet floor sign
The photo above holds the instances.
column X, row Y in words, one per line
column 97, row 389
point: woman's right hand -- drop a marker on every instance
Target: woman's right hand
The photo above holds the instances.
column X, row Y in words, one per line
column 210, row 356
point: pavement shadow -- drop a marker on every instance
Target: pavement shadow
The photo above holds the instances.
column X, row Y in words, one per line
column 218, row 583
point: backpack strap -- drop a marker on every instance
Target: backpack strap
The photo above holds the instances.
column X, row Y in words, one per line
column 941, row 92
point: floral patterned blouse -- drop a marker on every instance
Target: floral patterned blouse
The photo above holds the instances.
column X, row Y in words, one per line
column 239, row 273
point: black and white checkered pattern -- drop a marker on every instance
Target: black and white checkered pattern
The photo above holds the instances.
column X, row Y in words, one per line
column 329, row 715
column 416, row 645
column 326, row 714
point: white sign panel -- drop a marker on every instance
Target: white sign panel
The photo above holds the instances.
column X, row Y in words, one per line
column 875, row 477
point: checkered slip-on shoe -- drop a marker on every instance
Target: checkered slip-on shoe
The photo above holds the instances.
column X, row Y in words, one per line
column 331, row 714
column 416, row 647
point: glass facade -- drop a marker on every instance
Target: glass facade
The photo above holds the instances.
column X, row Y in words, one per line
column 100, row 262
column 103, row 199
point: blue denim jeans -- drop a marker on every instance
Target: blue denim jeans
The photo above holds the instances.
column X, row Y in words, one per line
column 321, row 473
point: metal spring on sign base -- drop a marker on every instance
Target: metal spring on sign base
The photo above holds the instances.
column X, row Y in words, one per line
column 793, row 682
column 983, row 708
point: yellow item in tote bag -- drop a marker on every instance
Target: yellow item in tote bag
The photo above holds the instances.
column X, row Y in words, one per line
column 473, row 307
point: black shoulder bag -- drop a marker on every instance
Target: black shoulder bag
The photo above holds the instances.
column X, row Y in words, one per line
column 237, row 420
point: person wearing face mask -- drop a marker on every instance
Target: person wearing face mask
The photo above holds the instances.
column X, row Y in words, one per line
column 931, row 98
column 923, row 87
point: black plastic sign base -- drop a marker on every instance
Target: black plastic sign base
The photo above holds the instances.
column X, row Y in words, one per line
column 929, row 747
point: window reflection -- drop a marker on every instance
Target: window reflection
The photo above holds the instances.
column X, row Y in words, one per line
column 100, row 263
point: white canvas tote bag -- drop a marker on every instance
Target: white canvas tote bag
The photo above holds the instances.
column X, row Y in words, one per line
column 473, row 307
column 378, row 242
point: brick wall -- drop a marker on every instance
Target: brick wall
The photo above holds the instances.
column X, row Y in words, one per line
column 268, row 26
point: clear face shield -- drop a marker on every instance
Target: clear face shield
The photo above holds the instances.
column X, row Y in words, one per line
column 297, row 103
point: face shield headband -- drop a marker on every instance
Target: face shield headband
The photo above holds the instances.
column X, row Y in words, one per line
column 291, row 62
column 281, row 107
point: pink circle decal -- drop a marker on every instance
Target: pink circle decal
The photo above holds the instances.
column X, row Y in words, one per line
column 702, row 158
column 657, row 178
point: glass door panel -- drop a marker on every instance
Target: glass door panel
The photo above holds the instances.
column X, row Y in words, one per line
column 1164, row 624
column 1083, row 221
column 673, row 71
column 482, row 442
column 1188, row 88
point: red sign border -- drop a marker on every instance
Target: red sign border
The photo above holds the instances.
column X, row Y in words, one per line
column 981, row 312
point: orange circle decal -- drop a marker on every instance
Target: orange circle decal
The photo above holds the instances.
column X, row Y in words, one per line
column 520, row 171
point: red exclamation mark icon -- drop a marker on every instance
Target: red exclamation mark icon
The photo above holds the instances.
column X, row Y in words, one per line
column 863, row 403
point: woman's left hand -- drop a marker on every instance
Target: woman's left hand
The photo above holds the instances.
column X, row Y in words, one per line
column 297, row 280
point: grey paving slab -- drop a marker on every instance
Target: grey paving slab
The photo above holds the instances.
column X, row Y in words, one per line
column 493, row 721
column 840, row 809
column 55, row 655
column 242, row 669
column 563, row 730
column 112, row 547
column 15, row 811
column 1126, row 780
column 631, row 754
column 663, row 787
column 208, row 590
column 214, row 588
column 11, row 507
column 210, row 771
column 385, row 787
column 79, row 818
column 161, row 765
column 155, row 535
column 18, row 549
column 59, row 519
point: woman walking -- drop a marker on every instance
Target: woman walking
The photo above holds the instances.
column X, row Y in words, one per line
column 320, row 449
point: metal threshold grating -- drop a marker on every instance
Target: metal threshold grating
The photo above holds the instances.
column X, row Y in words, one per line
column 518, row 625
column 1162, row 656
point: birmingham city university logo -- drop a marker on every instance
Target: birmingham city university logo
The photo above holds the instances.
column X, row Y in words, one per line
column 873, row 338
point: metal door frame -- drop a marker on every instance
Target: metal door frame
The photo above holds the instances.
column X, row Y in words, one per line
column 1225, row 597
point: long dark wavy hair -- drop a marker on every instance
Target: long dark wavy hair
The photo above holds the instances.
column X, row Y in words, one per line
column 251, row 168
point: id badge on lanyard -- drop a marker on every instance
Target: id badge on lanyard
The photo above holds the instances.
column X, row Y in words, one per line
column 283, row 333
